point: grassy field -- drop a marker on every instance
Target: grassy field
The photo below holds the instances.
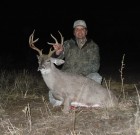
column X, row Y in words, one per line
column 25, row 110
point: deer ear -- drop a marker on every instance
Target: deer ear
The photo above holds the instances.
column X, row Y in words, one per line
column 57, row 61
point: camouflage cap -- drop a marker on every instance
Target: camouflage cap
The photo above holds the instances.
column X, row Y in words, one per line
column 80, row 23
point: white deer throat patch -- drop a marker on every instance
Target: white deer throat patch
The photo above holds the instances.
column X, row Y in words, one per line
column 45, row 71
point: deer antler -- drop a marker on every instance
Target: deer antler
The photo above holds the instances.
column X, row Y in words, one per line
column 32, row 41
column 50, row 52
column 56, row 42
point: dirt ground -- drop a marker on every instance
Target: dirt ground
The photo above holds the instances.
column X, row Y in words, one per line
column 36, row 116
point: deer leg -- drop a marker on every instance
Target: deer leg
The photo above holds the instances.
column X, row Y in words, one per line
column 53, row 101
column 66, row 105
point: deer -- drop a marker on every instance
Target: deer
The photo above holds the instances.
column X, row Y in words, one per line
column 70, row 89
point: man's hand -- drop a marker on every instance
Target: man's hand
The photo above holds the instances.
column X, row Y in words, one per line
column 58, row 48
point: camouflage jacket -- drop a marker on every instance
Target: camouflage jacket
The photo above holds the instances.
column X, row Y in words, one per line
column 80, row 61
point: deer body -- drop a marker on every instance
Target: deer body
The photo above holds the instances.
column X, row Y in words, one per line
column 71, row 88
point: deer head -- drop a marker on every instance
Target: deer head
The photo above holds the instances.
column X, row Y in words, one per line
column 45, row 59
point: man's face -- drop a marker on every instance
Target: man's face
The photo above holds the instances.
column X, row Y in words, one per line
column 80, row 32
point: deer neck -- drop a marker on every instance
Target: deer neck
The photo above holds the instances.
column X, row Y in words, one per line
column 50, row 75
column 48, row 70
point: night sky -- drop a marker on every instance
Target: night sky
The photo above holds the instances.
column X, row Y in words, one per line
column 115, row 29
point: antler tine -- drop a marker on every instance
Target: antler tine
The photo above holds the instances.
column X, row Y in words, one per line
column 62, row 38
column 50, row 52
column 56, row 42
column 32, row 41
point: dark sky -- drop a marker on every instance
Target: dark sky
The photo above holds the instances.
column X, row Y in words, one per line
column 115, row 29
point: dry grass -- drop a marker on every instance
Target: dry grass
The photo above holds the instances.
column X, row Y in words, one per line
column 25, row 110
